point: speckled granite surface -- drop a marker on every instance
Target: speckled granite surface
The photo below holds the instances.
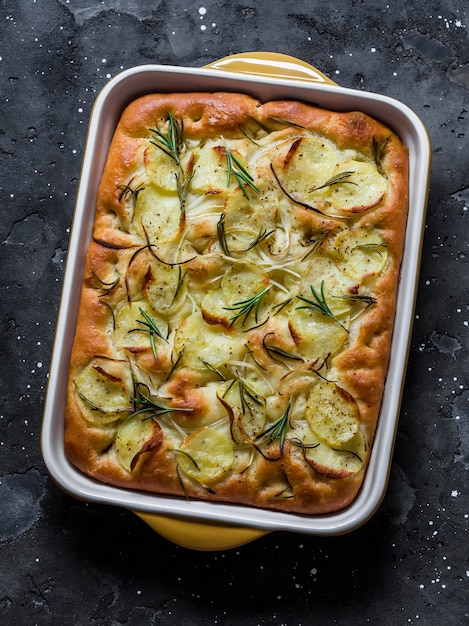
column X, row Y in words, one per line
column 63, row 561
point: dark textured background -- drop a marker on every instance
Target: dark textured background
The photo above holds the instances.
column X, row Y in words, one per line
column 66, row 562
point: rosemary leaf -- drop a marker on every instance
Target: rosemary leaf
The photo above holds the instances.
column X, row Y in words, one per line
column 222, row 235
column 244, row 308
column 339, row 178
column 213, row 369
column 150, row 327
column 279, row 429
column 275, row 350
column 371, row 247
column 145, row 404
column 242, row 176
column 319, row 304
column 378, row 148
column 171, row 143
column 302, row 204
column 182, row 191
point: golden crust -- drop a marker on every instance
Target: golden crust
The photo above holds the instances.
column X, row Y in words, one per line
column 134, row 257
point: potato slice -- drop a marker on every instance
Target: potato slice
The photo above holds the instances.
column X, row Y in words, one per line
column 163, row 285
column 214, row 309
column 157, row 216
column 206, row 455
column 162, row 170
column 362, row 190
column 361, row 254
column 336, row 284
column 210, row 170
column 315, row 334
column 242, row 285
column 245, row 219
column 131, row 330
column 135, row 436
column 332, row 414
column 248, row 410
column 103, row 394
column 308, row 164
column 200, row 342
column 242, row 281
column 332, row 462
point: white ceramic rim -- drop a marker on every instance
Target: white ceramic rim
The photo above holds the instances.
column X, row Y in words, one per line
column 107, row 108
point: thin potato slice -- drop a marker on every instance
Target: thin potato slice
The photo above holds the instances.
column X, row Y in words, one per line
column 214, row 309
column 363, row 189
column 157, row 216
column 135, row 436
column 332, row 462
column 361, row 254
column 308, row 164
column 163, row 285
column 206, row 455
column 248, row 410
column 315, row 334
column 245, row 218
column 161, row 168
column 243, row 281
column 200, row 343
column 332, row 414
column 210, row 170
column 132, row 332
column 103, row 394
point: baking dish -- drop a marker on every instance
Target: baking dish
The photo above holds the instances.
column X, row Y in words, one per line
column 267, row 76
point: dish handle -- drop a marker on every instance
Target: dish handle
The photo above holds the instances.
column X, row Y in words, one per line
column 272, row 65
column 203, row 536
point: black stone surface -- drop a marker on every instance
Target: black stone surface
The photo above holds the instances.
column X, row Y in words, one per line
column 63, row 561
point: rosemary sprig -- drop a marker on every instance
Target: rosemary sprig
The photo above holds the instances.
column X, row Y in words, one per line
column 368, row 300
column 171, row 143
column 213, row 369
column 314, row 243
column 286, row 122
column 244, row 308
column 339, row 178
column 222, row 235
column 149, row 327
column 280, row 306
column 245, row 393
column 279, row 429
column 302, row 204
column 127, row 191
column 175, row 364
column 179, row 283
column 319, row 304
column 147, row 405
column 242, row 176
column 378, row 148
column 263, row 234
column 275, row 350
column 371, row 247
column 182, row 184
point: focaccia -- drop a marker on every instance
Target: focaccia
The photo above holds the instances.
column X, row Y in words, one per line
column 238, row 300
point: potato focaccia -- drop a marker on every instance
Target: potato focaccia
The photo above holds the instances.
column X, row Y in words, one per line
column 238, row 301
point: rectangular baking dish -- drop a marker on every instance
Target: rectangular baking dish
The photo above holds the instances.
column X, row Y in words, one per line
column 266, row 76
